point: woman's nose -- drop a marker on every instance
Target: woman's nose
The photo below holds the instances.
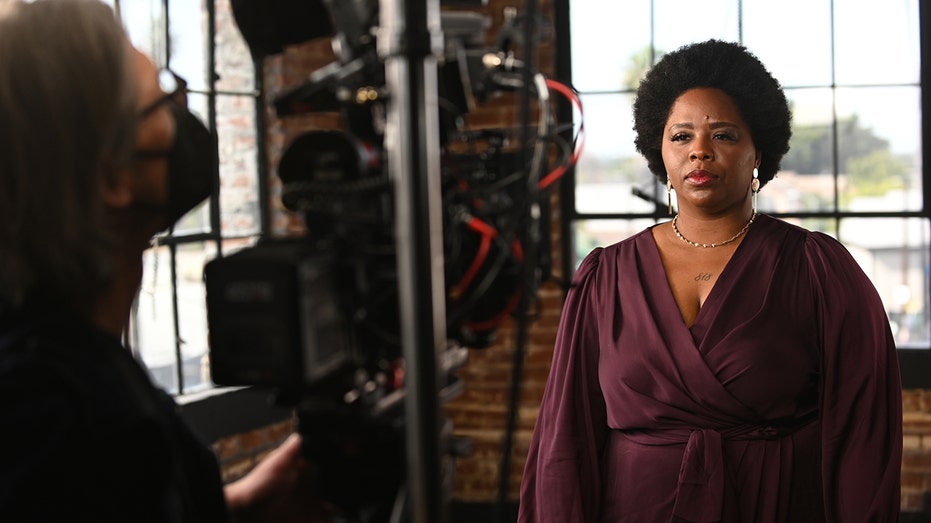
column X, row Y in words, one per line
column 700, row 150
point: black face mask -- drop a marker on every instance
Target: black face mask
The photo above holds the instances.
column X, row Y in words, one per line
column 190, row 164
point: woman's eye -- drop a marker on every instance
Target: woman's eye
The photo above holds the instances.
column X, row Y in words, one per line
column 725, row 136
column 678, row 137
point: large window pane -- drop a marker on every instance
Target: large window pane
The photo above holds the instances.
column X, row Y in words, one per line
column 187, row 22
column 876, row 42
column 611, row 172
column 192, row 315
column 620, row 28
column 145, row 22
column 806, row 182
column 825, row 224
column 879, row 148
column 851, row 73
column 790, row 191
column 894, row 254
column 153, row 333
column 765, row 34
column 609, row 138
column 678, row 23
column 168, row 328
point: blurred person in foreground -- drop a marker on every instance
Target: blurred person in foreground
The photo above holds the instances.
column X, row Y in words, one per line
column 95, row 159
column 723, row 366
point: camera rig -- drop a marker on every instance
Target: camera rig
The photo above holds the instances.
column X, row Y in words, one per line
column 422, row 237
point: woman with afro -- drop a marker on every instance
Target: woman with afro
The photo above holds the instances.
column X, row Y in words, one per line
column 723, row 366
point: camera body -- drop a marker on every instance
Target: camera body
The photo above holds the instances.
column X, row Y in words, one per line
column 290, row 313
column 298, row 313
column 275, row 317
column 317, row 318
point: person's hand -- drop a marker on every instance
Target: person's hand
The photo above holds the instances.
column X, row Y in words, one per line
column 280, row 488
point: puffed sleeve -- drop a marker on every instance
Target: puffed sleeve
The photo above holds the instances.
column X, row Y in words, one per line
column 562, row 478
column 861, row 395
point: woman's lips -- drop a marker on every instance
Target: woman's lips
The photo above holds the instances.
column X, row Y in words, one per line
column 699, row 178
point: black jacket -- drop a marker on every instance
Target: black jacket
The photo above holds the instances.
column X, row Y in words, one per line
column 86, row 436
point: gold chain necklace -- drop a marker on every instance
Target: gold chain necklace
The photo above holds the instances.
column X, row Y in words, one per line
column 706, row 245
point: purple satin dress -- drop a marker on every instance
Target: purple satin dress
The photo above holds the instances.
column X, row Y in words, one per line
column 782, row 403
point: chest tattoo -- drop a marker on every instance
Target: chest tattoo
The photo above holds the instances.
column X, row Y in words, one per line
column 703, row 276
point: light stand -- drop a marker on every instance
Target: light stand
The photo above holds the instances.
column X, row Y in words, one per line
column 409, row 42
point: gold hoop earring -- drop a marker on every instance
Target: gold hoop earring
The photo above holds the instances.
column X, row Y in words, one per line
column 669, row 194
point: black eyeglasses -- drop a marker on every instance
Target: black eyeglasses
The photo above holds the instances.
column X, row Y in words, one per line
column 174, row 87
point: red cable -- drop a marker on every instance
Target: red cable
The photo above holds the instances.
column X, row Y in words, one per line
column 573, row 97
column 487, row 233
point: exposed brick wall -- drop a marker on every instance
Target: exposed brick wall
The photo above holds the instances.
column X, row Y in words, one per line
column 480, row 412
column 916, row 459
column 239, row 453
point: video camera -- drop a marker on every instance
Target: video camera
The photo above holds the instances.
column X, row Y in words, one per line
column 317, row 317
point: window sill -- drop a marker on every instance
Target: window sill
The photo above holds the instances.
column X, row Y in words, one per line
column 224, row 411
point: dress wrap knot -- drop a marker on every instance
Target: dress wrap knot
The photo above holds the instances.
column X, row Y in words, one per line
column 700, row 494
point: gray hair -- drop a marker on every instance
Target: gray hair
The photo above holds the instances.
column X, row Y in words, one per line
column 67, row 123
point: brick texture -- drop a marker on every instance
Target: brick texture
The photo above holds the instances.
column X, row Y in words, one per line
column 480, row 412
column 237, row 454
column 916, row 457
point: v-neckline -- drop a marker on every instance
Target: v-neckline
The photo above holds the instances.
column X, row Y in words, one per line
column 712, row 301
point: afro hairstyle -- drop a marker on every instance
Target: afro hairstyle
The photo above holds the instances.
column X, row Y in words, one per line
column 716, row 64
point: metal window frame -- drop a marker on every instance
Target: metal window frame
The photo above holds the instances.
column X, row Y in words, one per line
column 220, row 411
column 170, row 239
column 915, row 363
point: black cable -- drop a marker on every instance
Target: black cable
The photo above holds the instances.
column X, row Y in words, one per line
column 529, row 270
